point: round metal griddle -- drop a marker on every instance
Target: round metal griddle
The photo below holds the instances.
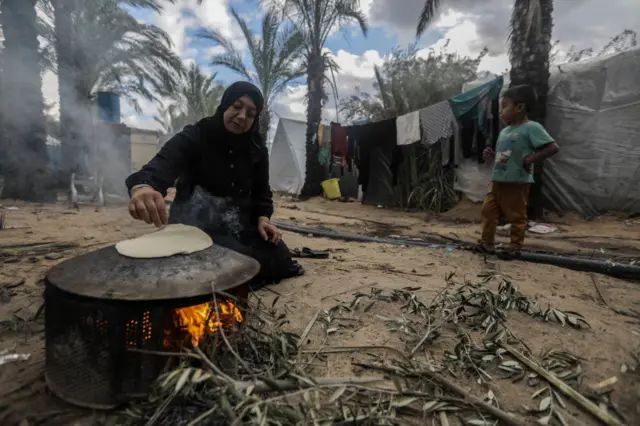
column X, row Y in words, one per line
column 106, row 274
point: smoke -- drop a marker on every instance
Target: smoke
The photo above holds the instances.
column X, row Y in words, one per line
column 100, row 33
column 208, row 212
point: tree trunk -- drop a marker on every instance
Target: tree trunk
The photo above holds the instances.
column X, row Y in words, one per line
column 530, row 52
column 315, row 173
column 73, row 113
column 265, row 122
column 3, row 147
column 26, row 174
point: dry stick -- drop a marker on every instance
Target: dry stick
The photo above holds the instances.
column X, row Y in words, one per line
column 577, row 397
column 595, row 284
column 284, row 385
column 631, row 314
column 306, row 331
column 473, row 400
column 342, row 349
column 350, row 290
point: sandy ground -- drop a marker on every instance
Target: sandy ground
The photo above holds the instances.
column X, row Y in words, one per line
column 351, row 267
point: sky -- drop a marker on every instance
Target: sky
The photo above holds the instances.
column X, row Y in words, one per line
column 467, row 25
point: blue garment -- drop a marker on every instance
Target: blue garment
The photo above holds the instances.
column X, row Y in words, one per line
column 516, row 143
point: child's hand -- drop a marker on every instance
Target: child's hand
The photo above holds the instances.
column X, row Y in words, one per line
column 488, row 153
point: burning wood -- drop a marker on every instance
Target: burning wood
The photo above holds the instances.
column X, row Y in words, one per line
column 193, row 322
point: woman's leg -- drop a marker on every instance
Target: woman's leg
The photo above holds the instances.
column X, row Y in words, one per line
column 276, row 263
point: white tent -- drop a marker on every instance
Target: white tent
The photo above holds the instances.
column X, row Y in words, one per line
column 593, row 111
column 287, row 161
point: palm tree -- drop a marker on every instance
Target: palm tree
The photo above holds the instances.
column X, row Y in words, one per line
column 197, row 97
column 101, row 47
column 529, row 44
column 316, row 20
column 24, row 139
column 529, row 53
column 273, row 55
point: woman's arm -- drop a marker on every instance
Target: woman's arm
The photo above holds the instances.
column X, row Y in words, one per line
column 261, row 194
column 163, row 169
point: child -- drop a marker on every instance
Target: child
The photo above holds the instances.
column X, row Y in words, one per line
column 520, row 145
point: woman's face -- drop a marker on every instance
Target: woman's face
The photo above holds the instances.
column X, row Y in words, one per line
column 239, row 117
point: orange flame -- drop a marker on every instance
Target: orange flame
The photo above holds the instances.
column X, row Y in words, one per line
column 198, row 319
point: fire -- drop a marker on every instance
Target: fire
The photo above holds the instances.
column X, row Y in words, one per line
column 198, row 319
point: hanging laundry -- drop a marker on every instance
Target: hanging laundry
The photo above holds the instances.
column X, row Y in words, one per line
column 408, row 128
column 324, row 142
column 436, row 121
column 352, row 140
column 475, row 102
column 320, row 133
column 339, row 145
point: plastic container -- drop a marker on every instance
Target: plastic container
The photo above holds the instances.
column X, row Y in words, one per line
column 331, row 188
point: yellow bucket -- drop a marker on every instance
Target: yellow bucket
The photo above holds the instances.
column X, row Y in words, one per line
column 331, row 188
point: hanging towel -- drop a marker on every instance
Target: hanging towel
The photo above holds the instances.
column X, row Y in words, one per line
column 339, row 145
column 436, row 121
column 408, row 128
column 320, row 132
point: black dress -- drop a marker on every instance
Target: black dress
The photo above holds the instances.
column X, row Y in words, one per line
column 222, row 187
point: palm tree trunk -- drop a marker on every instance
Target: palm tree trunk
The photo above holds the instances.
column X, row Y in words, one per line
column 23, row 106
column 71, row 105
column 265, row 122
column 2, row 136
column 530, row 47
column 315, row 173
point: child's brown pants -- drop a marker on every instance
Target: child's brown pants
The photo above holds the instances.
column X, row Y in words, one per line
column 509, row 199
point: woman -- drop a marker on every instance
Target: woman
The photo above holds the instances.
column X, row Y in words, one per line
column 221, row 165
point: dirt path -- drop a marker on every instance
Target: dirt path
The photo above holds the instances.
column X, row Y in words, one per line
column 352, row 267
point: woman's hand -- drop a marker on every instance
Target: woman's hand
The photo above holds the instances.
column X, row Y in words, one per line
column 148, row 204
column 268, row 231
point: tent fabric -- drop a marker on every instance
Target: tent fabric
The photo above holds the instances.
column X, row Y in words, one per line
column 287, row 162
column 593, row 111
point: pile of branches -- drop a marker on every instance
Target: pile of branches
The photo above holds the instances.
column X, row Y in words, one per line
column 424, row 183
column 263, row 375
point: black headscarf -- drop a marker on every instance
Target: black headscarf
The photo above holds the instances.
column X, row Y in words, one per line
column 215, row 124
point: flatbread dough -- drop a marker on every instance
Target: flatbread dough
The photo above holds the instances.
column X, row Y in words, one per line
column 169, row 241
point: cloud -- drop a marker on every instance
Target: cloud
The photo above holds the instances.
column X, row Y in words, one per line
column 356, row 74
column 583, row 23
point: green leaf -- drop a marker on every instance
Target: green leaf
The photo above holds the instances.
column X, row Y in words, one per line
column 429, row 405
column 182, row 380
column 560, row 418
column 477, row 422
column 560, row 401
column 539, row 392
column 544, row 421
column 337, row 394
column 403, row 402
column 545, row 403
column 397, row 384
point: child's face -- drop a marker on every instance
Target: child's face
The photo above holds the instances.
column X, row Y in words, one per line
column 510, row 111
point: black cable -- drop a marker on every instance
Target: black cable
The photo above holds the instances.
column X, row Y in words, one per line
column 607, row 267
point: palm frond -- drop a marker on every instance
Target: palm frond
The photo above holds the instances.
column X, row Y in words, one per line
column 114, row 51
column 234, row 62
column 428, row 13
